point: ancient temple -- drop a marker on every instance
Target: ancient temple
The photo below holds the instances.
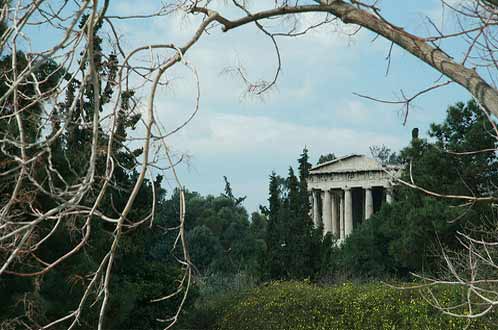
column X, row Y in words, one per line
column 346, row 191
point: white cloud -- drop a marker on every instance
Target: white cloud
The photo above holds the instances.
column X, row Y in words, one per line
column 235, row 135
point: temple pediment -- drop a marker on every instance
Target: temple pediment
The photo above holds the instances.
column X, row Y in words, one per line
column 350, row 163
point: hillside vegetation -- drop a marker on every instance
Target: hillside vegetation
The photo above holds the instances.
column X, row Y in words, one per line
column 302, row 305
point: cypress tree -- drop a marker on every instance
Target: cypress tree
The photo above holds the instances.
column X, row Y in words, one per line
column 298, row 235
column 273, row 229
column 294, row 198
column 311, row 237
column 304, row 170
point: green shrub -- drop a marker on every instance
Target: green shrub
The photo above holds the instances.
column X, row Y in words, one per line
column 297, row 305
column 206, row 312
column 216, row 292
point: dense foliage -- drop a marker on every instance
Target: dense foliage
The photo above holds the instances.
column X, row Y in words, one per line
column 295, row 248
column 298, row 305
column 221, row 237
column 303, row 305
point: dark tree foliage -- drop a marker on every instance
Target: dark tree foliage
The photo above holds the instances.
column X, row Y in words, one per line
column 229, row 193
column 326, row 158
column 465, row 129
column 204, row 247
column 293, row 198
column 274, row 233
column 294, row 246
column 304, row 170
column 312, row 246
column 221, row 225
column 298, row 242
column 259, row 224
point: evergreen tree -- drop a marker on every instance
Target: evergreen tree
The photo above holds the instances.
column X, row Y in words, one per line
column 293, row 197
column 229, row 194
column 294, row 246
column 274, row 232
column 313, row 237
column 304, row 170
column 297, row 239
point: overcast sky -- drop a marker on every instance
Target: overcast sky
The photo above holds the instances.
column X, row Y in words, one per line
column 246, row 138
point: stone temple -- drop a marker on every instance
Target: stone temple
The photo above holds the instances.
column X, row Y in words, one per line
column 346, row 191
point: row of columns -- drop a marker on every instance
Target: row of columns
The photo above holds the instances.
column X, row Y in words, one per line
column 337, row 209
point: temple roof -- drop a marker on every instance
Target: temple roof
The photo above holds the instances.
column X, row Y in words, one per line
column 351, row 163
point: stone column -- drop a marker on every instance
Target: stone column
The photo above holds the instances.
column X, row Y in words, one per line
column 316, row 214
column 335, row 225
column 369, row 206
column 326, row 212
column 341, row 215
column 389, row 195
column 310, row 204
column 348, row 212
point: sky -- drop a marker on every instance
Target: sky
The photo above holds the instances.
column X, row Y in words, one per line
column 246, row 138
